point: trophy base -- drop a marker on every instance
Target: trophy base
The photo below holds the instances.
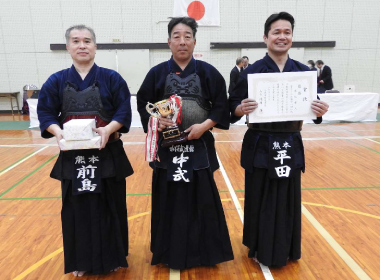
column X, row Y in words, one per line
column 181, row 138
column 171, row 132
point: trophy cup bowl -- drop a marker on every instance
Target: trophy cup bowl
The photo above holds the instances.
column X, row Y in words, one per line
column 160, row 109
column 168, row 109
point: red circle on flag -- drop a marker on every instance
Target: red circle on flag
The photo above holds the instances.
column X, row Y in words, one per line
column 196, row 10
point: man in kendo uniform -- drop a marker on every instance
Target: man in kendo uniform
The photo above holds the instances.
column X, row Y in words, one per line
column 94, row 214
column 188, row 224
column 272, row 208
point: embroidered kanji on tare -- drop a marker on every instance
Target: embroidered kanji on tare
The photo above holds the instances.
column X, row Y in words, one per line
column 87, row 173
column 180, row 167
column 281, row 160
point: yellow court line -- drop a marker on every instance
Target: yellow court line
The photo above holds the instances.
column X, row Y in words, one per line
column 52, row 255
column 330, row 240
column 138, row 215
column 329, row 206
column 342, row 209
column 377, row 142
column 335, row 245
column 174, row 274
column 38, row 264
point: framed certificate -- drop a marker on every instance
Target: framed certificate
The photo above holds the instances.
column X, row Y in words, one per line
column 283, row 96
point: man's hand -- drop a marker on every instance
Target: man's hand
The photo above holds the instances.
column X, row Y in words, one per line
column 56, row 131
column 164, row 123
column 196, row 130
column 246, row 106
column 59, row 136
column 319, row 107
column 104, row 133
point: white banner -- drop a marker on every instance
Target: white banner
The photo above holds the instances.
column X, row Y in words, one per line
column 205, row 12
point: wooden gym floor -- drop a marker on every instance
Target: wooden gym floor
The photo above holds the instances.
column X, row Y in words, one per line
column 340, row 196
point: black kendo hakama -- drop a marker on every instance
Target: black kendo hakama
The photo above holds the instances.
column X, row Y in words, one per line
column 272, row 207
column 188, row 222
column 94, row 225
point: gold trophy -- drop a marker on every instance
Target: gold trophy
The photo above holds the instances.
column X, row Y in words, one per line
column 169, row 108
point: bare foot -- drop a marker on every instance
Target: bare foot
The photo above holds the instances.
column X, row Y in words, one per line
column 79, row 273
column 115, row 269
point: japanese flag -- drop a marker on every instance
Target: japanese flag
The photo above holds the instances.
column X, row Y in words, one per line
column 205, row 12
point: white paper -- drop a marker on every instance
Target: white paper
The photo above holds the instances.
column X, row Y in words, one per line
column 79, row 129
column 283, row 96
column 93, row 143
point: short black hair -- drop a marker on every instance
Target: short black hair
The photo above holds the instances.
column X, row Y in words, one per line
column 245, row 57
column 311, row 62
column 190, row 22
column 276, row 17
column 319, row 62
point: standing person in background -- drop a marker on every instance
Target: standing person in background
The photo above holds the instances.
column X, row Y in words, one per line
column 325, row 77
column 311, row 65
column 272, row 207
column 234, row 74
column 188, row 223
column 94, row 221
column 245, row 62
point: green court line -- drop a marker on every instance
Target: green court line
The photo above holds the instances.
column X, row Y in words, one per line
column 142, row 194
column 362, row 146
column 27, row 176
column 17, row 161
column 356, row 131
column 349, row 140
column 342, row 188
column 15, row 125
column 328, row 132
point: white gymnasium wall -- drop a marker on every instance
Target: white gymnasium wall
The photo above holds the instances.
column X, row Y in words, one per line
column 28, row 27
